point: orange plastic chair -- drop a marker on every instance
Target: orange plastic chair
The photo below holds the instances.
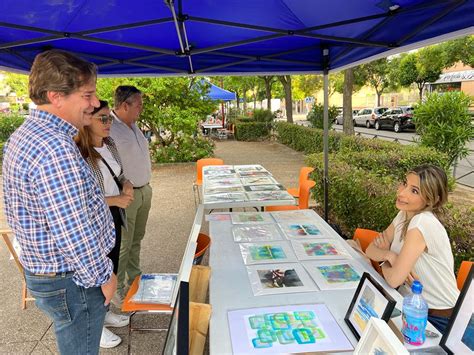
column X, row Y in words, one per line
column 304, row 175
column 303, row 201
column 365, row 237
column 199, row 165
column 463, row 272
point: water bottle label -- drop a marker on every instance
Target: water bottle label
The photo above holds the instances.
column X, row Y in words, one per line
column 414, row 329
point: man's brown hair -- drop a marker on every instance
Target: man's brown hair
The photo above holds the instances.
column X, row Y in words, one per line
column 59, row 71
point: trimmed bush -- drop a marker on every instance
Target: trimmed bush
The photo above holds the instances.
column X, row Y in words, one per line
column 183, row 149
column 251, row 131
column 8, row 124
column 316, row 116
column 261, row 115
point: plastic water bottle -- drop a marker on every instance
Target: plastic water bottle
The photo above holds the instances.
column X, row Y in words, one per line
column 415, row 316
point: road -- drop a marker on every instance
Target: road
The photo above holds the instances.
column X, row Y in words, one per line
column 464, row 170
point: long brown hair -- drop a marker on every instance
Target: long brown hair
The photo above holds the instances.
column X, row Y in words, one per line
column 433, row 189
column 84, row 139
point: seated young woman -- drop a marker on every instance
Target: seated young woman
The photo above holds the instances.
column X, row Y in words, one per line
column 415, row 246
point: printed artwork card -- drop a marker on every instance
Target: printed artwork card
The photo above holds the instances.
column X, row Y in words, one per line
column 330, row 275
column 264, row 253
column 259, row 180
column 217, row 217
column 226, row 197
column 252, row 218
column 286, row 329
column 264, row 187
column 314, row 249
column 220, row 177
column 247, row 168
column 269, row 196
column 256, row 233
column 221, row 183
column 270, row 279
column 213, row 170
column 300, row 231
column 295, row 216
column 222, row 189
column 246, row 174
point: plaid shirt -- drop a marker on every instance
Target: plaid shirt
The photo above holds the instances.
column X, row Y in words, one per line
column 54, row 204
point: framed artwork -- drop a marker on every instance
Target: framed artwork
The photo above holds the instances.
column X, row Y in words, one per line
column 334, row 275
column 295, row 216
column 269, row 195
column 264, row 253
column 177, row 338
column 370, row 300
column 379, row 339
column 319, row 249
column 271, row 279
column 459, row 335
column 264, row 188
column 256, row 233
column 286, row 329
column 225, row 197
column 300, row 230
column 252, row 218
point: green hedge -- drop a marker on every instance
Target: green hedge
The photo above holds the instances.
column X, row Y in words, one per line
column 8, row 124
column 251, row 130
column 183, row 149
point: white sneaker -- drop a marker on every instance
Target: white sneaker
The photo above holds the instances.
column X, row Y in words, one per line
column 115, row 320
column 108, row 339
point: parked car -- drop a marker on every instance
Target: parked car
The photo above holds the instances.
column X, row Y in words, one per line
column 367, row 116
column 397, row 118
column 340, row 118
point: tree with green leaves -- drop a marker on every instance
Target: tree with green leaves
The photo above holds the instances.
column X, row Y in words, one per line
column 379, row 76
column 286, row 82
column 458, row 50
column 443, row 122
column 421, row 67
column 17, row 83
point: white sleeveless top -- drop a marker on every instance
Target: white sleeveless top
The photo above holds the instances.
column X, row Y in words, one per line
column 435, row 267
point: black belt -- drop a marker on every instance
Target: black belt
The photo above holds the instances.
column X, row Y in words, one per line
column 139, row 187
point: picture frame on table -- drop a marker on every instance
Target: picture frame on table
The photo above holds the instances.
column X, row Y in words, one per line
column 378, row 338
column 370, row 300
column 177, row 337
column 459, row 335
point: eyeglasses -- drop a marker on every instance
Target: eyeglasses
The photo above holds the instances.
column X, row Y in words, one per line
column 105, row 119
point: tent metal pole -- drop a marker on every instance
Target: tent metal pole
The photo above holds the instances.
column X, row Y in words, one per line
column 326, row 130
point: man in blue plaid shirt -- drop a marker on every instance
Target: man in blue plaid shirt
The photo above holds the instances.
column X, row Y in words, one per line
column 56, row 208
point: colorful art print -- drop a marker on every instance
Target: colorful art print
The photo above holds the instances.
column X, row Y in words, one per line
column 379, row 339
column 260, row 180
column 370, row 300
column 260, row 253
column 217, row 167
column 217, row 217
column 256, row 233
column 228, row 197
column 252, row 218
column 286, row 329
column 317, row 249
column 269, row 196
column 222, row 189
column 459, row 335
column 297, row 216
column 297, row 231
column 264, row 187
column 271, row 279
column 331, row 275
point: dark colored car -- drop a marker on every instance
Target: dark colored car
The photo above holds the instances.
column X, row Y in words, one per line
column 397, row 118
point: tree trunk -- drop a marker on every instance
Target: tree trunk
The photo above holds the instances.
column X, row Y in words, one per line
column 420, row 91
column 238, row 101
column 379, row 95
column 348, row 126
column 286, row 82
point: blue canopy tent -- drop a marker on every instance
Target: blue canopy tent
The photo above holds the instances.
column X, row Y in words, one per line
column 184, row 37
column 219, row 94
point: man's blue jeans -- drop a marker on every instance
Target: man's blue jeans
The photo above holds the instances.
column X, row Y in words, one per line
column 78, row 313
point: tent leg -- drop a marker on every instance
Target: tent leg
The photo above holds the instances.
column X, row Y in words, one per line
column 326, row 130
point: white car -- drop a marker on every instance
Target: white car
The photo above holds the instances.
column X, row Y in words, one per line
column 367, row 116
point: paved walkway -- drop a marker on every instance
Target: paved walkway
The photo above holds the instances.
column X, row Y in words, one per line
column 172, row 214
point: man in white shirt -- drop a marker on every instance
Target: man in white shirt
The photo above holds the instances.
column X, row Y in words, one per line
column 133, row 150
